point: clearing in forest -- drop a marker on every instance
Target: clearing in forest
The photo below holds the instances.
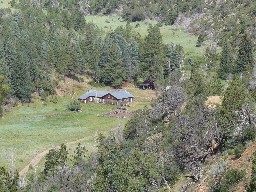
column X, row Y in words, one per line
column 29, row 129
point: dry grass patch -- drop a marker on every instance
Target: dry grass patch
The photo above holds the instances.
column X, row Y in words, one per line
column 213, row 101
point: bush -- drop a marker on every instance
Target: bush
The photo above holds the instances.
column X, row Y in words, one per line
column 239, row 149
column 228, row 180
column 74, row 106
column 252, row 186
column 92, row 83
column 249, row 134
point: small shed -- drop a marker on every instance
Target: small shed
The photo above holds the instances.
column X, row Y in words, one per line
column 147, row 84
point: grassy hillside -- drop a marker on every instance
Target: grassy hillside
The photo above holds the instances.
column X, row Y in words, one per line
column 171, row 34
column 31, row 128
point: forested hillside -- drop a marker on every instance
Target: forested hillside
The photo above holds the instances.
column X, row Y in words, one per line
column 42, row 43
column 178, row 143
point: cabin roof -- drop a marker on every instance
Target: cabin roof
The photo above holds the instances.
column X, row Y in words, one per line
column 100, row 93
column 121, row 94
column 93, row 93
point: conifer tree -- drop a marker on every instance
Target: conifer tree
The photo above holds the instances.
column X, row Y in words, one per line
column 153, row 56
column 235, row 96
column 3, row 92
column 244, row 60
column 114, row 70
column 226, row 61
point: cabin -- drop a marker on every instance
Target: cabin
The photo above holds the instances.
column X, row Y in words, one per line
column 108, row 97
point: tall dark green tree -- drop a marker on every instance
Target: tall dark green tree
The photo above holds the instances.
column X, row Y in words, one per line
column 153, row 56
column 226, row 61
column 235, row 96
column 244, row 60
column 174, row 56
column 114, row 71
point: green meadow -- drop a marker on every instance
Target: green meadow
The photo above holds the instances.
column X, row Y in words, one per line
column 171, row 34
column 29, row 129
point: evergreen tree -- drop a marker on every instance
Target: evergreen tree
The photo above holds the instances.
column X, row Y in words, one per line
column 174, row 55
column 226, row 61
column 252, row 186
column 244, row 60
column 134, row 61
column 153, row 56
column 235, row 96
column 3, row 92
column 114, row 71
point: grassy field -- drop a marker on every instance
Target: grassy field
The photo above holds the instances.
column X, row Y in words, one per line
column 171, row 34
column 31, row 128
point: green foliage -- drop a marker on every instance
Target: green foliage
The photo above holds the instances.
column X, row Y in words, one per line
column 197, row 84
column 114, row 70
column 134, row 170
column 228, row 180
column 235, row 96
column 252, row 186
column 79, row 155
column 152, row 55
column 239, row 149
column 74, row 105
column 216, row 87
column 226, row 62
column 3, row 92
column 200, row 40
column 244, row 60
column 133, row 15
column 8, row 180
column 55, row 160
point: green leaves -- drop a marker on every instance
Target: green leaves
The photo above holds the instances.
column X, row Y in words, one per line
column 244, row 60
column 55, row 160
column 252, row 186
column 153, row 55
column 226, row 62
column 74, row 106
column 235, row 96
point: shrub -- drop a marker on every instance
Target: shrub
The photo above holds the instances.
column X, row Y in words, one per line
column 228, row 180
column 74, row 106
column 92, row 83
column 249, row 134
column 238, row 151
column 252, row 186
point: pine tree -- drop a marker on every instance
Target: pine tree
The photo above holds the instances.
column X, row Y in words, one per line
column 153, row 56
column 226, row 61
column 235, row 96
column 134, row 61
column 174, row 55
column 114, row 71
column 3, row 92
column 244, row 60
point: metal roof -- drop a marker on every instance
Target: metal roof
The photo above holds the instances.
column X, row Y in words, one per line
column 99, row 93
column 93, row 93
column 121, row 94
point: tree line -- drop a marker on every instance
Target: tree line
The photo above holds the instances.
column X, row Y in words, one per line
column 42, row 43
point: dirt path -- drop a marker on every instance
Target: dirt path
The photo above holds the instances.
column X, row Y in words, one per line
column 35, row 161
